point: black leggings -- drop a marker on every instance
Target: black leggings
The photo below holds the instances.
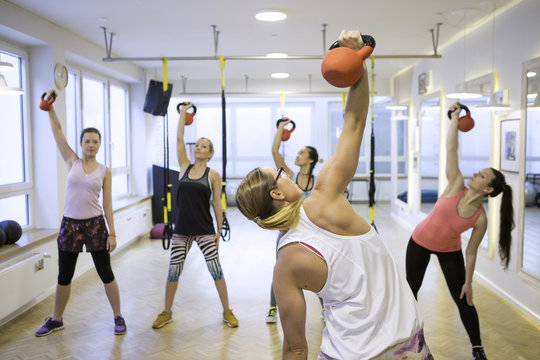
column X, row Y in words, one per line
column 453, row 268
column 68, row 260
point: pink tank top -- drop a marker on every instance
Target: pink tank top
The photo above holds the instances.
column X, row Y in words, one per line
column 441, row 230
column 82, row 192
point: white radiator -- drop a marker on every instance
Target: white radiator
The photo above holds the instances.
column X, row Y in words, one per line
column 21, row 280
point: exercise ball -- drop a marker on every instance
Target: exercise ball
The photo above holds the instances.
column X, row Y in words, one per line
column 12, row 229
column 157, row 231
column 2, row 237
column 530, row 194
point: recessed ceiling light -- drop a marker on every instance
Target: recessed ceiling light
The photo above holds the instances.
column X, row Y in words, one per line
column 531, row 74
column 270, row 15
column 103, row 19
column 280, row 75
column 276, row 55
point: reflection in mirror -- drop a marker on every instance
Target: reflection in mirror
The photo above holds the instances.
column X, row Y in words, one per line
column 531, row 240
column 429, row 119
column 474, row 148
column 400, row 117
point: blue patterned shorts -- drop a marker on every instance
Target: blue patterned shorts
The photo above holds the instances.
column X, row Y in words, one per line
column 90, row 232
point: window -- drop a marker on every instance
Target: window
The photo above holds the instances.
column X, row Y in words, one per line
column 15, row 179
column 381, row 130
column 102, row 103
column 251, row 125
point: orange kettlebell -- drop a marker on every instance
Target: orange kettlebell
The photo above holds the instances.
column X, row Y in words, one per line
column 286, row 132
column 466, row 122
column 46, row 104
column 342, row 66
column 189, row 116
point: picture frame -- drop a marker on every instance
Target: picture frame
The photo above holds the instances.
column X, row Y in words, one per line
column 510, row 145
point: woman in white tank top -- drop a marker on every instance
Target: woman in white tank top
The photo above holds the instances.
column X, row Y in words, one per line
column 331, row 250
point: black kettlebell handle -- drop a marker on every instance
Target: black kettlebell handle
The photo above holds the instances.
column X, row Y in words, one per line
column 367, row 39
column 463, row 107
column 184, row 103
column 53, row 95
column 282, row 120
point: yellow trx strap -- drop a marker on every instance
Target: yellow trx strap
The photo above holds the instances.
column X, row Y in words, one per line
column 343, row 99
column 372, row 171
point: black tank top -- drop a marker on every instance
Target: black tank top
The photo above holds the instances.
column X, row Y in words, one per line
column 193, row 200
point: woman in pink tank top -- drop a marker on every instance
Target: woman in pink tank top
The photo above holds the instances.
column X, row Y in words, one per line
column 83, row 222
column 460, row 208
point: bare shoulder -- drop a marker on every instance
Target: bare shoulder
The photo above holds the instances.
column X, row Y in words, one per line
column 298, row 265
column 214, row 175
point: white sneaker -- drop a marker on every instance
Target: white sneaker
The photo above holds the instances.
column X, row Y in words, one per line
column 271, row 317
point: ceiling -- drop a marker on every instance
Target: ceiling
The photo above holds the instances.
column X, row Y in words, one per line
column 175, row 28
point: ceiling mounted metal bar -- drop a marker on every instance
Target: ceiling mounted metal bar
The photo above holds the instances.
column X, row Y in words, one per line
column 108, row 48
column 108, row 45
column 216, row 40
column 294, row 57
column 324, row 38
column 435, row 41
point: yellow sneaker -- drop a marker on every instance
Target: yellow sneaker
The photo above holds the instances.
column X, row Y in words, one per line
column 230, row 319
column 162, row 319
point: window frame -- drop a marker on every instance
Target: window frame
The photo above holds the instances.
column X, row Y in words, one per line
column 26, row 187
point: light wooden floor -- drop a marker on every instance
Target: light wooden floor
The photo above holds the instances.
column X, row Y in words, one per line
column 198, row 332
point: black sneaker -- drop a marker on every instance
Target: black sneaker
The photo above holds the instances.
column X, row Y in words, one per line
column 478, row 353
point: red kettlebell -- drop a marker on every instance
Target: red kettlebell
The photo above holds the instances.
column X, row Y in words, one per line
column 286, row 132
column 189, row 116
column 46, row 104
column 466, row 122
column 342, row 66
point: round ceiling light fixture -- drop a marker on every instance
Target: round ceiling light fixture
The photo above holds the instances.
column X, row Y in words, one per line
column 270, row 15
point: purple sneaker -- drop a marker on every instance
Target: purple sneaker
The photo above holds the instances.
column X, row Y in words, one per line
column 119, row 326
column 50, row 326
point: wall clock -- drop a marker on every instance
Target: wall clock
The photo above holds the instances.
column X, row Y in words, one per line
column 60, row 76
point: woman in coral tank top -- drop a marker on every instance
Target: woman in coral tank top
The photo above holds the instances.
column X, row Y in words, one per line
column 460, row 208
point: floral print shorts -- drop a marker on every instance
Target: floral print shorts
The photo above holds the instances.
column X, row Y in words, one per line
column 91, row 232
column 415, row 348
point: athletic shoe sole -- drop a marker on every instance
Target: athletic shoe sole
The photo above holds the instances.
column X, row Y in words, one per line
column 50, row 331
column 162, row 325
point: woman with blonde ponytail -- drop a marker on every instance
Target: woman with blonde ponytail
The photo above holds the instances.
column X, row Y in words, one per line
column 331, row 250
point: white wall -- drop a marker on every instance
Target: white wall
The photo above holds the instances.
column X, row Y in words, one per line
column 516, row 41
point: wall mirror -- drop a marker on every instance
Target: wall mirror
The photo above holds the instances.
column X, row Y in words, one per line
column 531, row 217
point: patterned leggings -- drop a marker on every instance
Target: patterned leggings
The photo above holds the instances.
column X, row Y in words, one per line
column 180, row 245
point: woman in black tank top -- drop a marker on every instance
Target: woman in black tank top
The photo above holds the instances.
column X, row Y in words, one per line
column 197, row 185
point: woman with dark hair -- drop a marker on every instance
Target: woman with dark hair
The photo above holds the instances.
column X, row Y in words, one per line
column 83, row 222
column 460, row 208
column 199, row 188
column 331, row 250
column 306, row 159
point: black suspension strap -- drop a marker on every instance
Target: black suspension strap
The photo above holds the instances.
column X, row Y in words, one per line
column 226, row 229
column 167, row 210
column 372, row 155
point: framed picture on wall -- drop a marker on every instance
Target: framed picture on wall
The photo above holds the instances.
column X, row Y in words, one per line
column 510, row 145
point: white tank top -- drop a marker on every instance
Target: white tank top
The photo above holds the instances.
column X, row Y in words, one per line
column 82, row 192
column 369, row 305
